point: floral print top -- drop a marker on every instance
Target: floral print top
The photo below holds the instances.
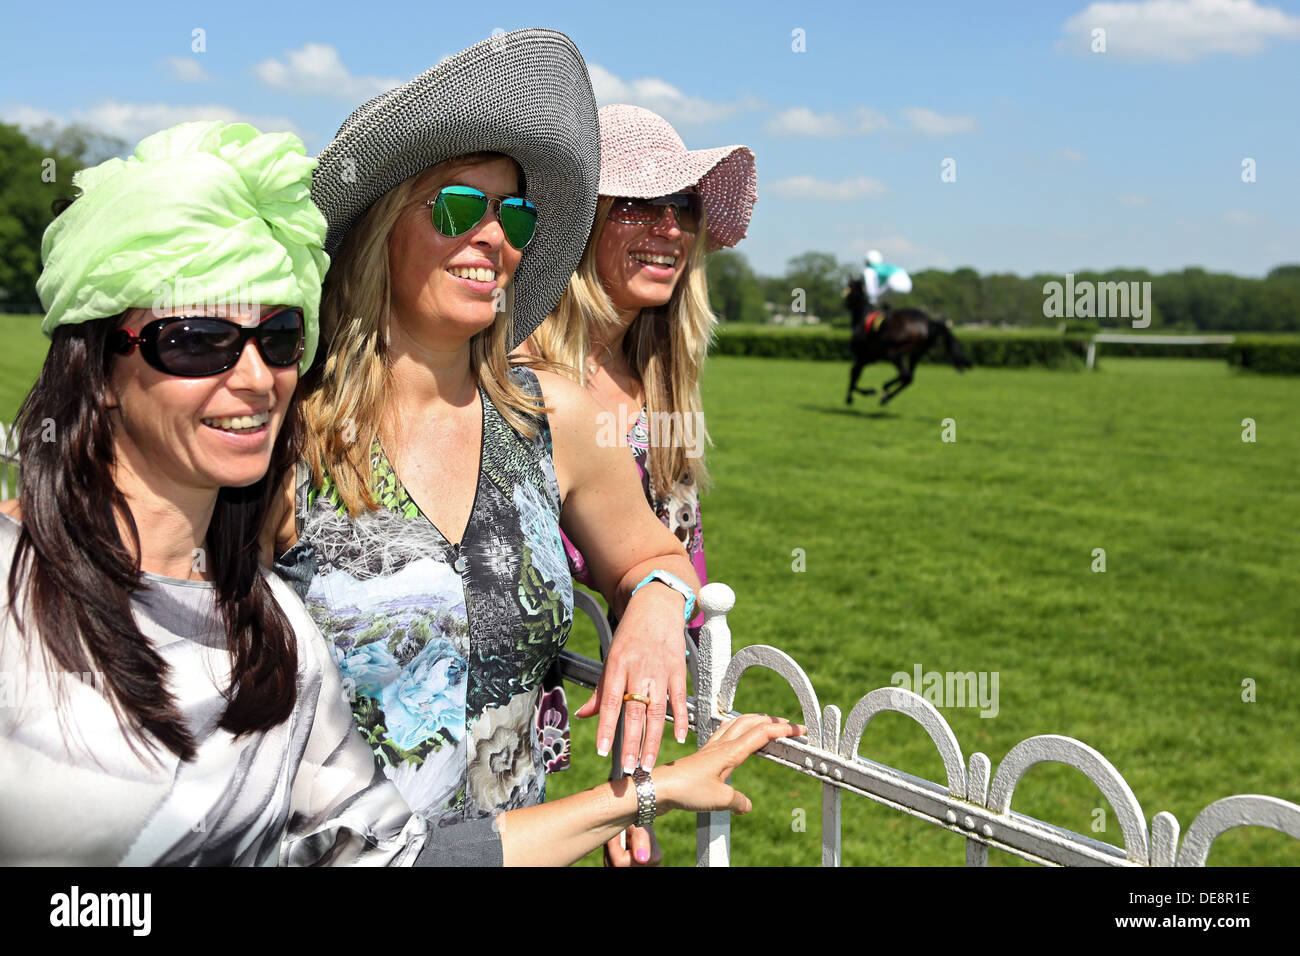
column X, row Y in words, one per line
column 680, row 511
column 449, row 652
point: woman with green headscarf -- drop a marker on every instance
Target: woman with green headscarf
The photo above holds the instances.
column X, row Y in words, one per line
column 163, row 699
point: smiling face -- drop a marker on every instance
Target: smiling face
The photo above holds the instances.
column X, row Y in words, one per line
column 445, row 290
column 197, row 434
column 640, row 266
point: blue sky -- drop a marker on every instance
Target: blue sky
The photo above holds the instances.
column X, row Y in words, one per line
column 1066, row 158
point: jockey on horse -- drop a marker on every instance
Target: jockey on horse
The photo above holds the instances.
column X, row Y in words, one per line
column 878, row 278
column 901, row 336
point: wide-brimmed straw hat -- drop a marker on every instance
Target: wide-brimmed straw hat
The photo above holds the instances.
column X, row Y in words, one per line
column 525, row 94
column 642, row 157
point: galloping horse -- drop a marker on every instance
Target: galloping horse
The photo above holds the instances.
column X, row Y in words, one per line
column 901, row 336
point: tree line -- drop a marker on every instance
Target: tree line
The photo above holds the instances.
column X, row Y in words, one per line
column 1190, row 300
column 36, row 168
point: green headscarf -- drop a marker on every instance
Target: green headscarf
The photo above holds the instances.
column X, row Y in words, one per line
column 212, row 211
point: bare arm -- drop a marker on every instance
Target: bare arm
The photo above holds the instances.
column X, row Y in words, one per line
column 607, row 517
column 605, row 512
column 559, row 833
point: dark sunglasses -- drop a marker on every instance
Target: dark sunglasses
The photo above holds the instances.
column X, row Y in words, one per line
column 647, row 212
column 198, row 346
column 458, row 209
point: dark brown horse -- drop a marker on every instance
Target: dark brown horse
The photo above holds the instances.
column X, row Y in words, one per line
column 901, row 336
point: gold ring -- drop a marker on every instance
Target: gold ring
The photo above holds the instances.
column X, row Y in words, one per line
column 638, row 697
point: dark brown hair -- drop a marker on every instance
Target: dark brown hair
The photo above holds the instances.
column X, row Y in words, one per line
column 79, row 575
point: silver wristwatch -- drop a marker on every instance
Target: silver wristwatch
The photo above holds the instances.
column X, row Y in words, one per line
column 645, row 797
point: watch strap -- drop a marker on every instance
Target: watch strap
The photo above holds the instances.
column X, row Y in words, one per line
column 674, row 582
column 645, row 797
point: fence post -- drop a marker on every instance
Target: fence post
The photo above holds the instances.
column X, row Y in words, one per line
column 712, row 830
column 830, row 792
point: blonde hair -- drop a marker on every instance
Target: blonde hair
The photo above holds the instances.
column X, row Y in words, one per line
column 665, row 345
column 346, row 397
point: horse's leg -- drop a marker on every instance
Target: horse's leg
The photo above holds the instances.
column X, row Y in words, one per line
column 858, row 366
column 904, row 378
column 898, row 364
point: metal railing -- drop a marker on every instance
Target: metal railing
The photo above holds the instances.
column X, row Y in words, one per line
column 974, row 802
column 1120, row 338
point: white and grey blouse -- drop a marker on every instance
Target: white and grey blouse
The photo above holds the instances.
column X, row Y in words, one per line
column 306, row 792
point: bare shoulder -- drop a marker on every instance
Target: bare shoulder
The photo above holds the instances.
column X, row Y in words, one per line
column 575, row 420
column 557, row 387
column 11, row 509
column 569, row 402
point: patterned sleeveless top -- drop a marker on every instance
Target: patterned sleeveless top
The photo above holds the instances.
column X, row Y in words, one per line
column 449, row 652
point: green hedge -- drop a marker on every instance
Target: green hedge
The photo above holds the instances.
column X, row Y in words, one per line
column 989, row 347
column 1011, row 348
column 1271, row 354
column 1133, row 350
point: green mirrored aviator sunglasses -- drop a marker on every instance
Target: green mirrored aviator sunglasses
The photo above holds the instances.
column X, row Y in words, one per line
column 457, row 209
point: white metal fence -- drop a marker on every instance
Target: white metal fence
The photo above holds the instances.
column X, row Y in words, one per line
column 1120, row 338
column 973, row 802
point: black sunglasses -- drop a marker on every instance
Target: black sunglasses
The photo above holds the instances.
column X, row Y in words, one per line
column 199, row 346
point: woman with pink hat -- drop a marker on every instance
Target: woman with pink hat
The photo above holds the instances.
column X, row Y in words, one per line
column 634, row 324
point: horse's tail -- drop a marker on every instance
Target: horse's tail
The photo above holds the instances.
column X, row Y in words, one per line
column 956, row 354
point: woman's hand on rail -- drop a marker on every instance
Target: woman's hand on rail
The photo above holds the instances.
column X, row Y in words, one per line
column 698, row 782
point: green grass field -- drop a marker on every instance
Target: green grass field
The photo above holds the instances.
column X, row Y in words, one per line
column 976, row 555
column 20, row 360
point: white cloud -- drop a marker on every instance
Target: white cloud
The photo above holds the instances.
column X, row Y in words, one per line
column 869, row 121
column 317, row 68
column 1133, row 199
column 185, row 69
column 661, row 97
column 1239, row 217
column 809, row 187
column 930, row 123
column 29, row 117
column 801, row 121
column 134, row 121
column 1073, row 155
column 1179, row 31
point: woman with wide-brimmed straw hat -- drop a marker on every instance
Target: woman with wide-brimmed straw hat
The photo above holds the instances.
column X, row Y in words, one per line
column 426, row 527
column 163, row 700
column 634, row 324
